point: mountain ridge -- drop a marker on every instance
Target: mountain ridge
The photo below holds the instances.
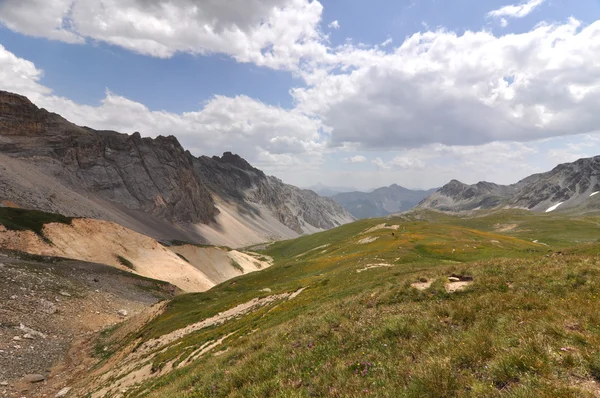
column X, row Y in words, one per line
column 152, row 185
column 566, row 186
column 381, row 201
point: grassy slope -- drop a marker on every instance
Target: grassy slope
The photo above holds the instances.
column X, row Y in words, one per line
column 528, row 325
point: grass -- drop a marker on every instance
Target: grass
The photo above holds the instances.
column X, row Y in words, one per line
column 16, row 219
column 237, row 266
column 181, row 256
column 126, row 263
column 528, row 325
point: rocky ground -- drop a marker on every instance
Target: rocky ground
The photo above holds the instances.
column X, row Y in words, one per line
column 51, row 308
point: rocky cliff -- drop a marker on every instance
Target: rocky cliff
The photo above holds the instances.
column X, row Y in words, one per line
column 150, row 185
column 569, row 185
column 232, row 178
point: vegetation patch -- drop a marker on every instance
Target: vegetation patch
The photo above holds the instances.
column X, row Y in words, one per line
column 16, row 219
column 181, row 256
column 126, row 263
column 237, row 266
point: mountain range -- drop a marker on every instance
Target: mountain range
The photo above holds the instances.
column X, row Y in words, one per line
column 381, row 202
column 567, row 186
column 150, row 185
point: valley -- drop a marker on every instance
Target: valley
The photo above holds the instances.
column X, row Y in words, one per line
column 397, row 306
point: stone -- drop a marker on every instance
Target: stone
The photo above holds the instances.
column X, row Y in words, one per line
column 4, row 383
column 453, row 279
column 63, row 392
column 122, row 313
column 31, row 332
column 65, row 294
column 17, row 338
column 34, row 378
column 48, row 307
column 28, row 336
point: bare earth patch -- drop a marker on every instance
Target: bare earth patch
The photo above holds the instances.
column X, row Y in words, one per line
column 381, row 226
column 505, row 227
column 457, row 286
column 371, row 266
column 422, row 285
column 368, row 239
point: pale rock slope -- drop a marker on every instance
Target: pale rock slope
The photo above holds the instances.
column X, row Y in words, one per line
column 195, row 269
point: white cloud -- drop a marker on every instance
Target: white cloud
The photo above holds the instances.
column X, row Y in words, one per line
column 515, row 11
column 439, row 87
column 387, row 42
column 356, row 159
column 334, row 25
column 273, row 33
column 381, row 164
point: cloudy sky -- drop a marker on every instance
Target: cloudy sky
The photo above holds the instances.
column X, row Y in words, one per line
column 347, row 93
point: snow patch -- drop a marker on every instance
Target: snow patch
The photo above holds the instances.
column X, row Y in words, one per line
column 554, row 207
column 594, row 193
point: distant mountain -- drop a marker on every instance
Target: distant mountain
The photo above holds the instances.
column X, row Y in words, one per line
column 381, row 202
column 153, row 186
column 569, row 185
column 327, row 191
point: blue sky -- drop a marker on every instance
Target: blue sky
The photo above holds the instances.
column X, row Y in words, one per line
column 361, row 102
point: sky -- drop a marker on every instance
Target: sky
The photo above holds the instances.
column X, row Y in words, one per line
column 349, row 93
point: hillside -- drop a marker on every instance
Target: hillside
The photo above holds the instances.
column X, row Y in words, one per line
column 192, row 268
column 381, row 202
column 150, row 185
column 420, row 305
column 567, row 186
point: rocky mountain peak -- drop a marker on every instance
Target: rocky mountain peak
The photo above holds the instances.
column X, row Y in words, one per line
column 237, row 161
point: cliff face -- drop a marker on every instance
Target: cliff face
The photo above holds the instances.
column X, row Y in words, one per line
column 79, row 171
column 150, row 175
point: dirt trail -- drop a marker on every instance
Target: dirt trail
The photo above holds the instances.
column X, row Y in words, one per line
column 371, row 266
column 133, row 364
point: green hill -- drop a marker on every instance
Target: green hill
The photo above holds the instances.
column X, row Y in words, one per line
column 424, row 305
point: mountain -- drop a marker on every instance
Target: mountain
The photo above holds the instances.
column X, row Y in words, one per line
column 569, row 185
column 381, row 202
column 153, row 186
column 328, row 191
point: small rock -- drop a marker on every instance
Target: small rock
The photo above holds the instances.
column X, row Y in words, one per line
column 28, row 336
column 65, row 294
column 34, row 378
column 4, row 383
column 31, row 332
column 17, row 338
column 13, row 297
column 48, row 307
column 63, row 392
column 453, row 279
column 122, row 312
